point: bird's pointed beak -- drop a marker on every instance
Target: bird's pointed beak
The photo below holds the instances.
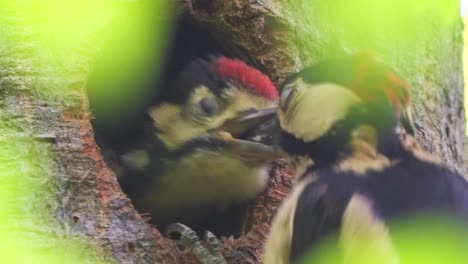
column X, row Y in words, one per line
column 254, row 152
column 247, row 123
column 250, row 135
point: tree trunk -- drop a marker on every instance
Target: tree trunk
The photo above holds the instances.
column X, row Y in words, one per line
column 64, row 196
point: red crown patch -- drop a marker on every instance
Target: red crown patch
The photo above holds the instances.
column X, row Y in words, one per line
column 251, row 78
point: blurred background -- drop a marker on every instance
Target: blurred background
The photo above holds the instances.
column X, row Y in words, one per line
column 128, row 75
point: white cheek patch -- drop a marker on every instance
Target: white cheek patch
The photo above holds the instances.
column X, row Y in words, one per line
column 174, row 129
column 165, row 114
column 317, row 108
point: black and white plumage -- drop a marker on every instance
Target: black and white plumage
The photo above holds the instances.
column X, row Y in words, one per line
column 346, row 129
column 210, row 149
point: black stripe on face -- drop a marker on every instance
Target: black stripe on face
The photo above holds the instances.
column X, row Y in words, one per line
column 204, row 142
column 325, row 149
column 334, row 145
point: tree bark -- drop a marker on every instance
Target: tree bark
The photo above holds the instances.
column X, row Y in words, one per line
column 49, row 141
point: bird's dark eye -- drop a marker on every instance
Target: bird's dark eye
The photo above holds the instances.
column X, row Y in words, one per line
column 209, row 106
column 285, row 97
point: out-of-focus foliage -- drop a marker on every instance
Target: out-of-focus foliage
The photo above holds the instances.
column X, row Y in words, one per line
column 125, row 75
column 29, row 230
column 46, row 46
column 428, row 239
column 361, row 20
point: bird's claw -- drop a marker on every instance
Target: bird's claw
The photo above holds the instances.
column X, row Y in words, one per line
column 209, row 254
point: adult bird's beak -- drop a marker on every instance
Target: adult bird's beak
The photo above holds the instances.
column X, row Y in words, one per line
column 250, row 134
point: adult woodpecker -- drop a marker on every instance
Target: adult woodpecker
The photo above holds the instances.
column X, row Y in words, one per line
column 211, row 147
column 346, row 129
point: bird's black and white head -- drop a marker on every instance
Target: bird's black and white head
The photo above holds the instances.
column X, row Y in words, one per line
column 325, row 105
column 215, row 99
column 215, row 125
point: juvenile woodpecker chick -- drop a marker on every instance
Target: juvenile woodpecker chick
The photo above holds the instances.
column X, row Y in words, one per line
column 341, row 123
column 209, row 151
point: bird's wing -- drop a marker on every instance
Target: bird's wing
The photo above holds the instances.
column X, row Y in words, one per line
column 319, row 210
column 337, row 215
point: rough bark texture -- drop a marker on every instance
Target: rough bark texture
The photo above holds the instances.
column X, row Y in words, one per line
column 44, row 106
column 73, row 196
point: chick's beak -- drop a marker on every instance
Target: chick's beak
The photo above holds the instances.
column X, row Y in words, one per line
column 247, row 121
column 250, row 134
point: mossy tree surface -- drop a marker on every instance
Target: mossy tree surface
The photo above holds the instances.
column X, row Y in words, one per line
column 62, row 203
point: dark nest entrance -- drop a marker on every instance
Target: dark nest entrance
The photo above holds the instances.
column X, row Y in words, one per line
column 121, row 92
